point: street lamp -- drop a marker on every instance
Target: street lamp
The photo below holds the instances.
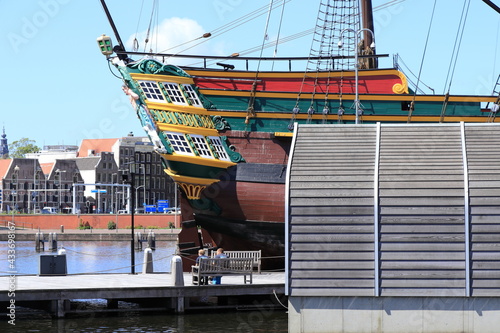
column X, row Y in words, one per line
column 131, row 182
column 113, row 189
column 356, row 65
column 15, row 178
column 136, row 196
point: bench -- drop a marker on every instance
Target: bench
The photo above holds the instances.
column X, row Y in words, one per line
column 255, row 255
column 220, row 267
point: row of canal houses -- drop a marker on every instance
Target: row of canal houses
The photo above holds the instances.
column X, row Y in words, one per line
column 56, row 177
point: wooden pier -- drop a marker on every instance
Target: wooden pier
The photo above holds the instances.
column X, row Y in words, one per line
column 153, row 292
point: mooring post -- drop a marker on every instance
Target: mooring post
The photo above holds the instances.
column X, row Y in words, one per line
column 147, row 264
column 152, row 240
column 37, row 242
column 138, row 241
column 178, row 277
column 177, row 274
column 52, row 241
column 59, row 307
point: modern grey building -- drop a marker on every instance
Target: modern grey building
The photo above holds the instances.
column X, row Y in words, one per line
column 394, row 228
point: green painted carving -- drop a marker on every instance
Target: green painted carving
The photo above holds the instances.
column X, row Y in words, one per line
column 205, row 204
column 220, row 123
column 207, row 104
column 233, row 155
column 151, row 66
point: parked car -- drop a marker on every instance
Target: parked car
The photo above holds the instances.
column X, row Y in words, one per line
column 173, row 210
column 139, row 210
column 123, row 211
column 49, row 210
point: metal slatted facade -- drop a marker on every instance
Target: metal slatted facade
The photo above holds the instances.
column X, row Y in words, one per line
column 483, row 153
column 394, row 210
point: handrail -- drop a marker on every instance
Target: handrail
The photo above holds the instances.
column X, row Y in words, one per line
column 194, row 56
column 247, row 59
column 16, row 223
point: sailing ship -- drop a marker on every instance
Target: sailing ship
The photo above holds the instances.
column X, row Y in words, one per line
column 224, row 133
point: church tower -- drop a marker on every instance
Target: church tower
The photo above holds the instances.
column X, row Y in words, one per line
column 4, row 147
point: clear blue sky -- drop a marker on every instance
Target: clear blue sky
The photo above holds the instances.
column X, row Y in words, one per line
column 58, row 89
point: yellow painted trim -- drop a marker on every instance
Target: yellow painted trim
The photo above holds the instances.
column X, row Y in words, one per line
column 401, row 88
column 283, row 134
column 288, row 75
column 187, row 129
column 190, row 180
column 176, row 108
column 371, row 118
column 161, row 78
column 198, row 160
column 363, row 97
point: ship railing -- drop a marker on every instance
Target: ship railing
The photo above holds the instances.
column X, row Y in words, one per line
column 236, row 57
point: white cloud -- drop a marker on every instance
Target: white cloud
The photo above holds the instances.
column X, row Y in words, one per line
column 168, row 36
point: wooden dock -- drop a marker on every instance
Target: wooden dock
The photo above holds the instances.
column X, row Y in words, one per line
column 152, row 292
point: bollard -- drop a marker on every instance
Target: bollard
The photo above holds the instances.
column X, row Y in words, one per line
column 152, row 240
column 52, row 241
column 177, row 274
column 137, row 241
column 37, row 242
column 147, row 264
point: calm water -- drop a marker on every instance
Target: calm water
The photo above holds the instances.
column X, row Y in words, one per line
column 89, row 257
column 114, row 257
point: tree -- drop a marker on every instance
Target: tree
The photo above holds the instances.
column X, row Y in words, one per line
column 19, row 148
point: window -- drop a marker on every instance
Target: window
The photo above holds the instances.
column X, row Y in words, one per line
column 192, row 96
column 152, row 91
column 201, row 146
column 219, row 148
column 175, row 93
column 178, row 143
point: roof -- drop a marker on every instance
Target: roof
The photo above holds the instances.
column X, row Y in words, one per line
column 96, row 145
column 4, row 166
column 47, row 167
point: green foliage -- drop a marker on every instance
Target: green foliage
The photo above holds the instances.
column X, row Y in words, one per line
column 111, row 225
column 152, row 227
column 84, row 225
column 171, row 225
column 19, row 148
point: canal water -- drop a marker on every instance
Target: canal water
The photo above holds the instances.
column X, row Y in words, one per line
column 91, row 257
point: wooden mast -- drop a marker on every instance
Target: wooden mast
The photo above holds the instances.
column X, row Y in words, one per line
column 367, row 23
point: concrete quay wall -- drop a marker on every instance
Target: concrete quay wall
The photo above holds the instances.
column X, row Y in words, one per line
column 393, row 314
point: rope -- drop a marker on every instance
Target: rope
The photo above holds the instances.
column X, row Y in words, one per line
column 231, row 25
column 278, row 36
column 274, row 292
column 410, row 112
column 458, row 40
column 136, row 43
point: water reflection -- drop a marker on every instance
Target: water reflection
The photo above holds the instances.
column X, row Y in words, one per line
column 244, row 321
